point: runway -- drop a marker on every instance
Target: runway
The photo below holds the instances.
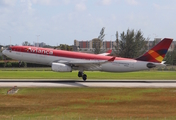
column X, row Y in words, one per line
column 89, row 83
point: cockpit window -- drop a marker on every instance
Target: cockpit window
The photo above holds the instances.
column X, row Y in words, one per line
column 9, row 48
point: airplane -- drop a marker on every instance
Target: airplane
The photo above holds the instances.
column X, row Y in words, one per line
column 66, row 61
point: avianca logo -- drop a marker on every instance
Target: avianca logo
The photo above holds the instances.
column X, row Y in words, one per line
column 156, row 56
column 39, row 51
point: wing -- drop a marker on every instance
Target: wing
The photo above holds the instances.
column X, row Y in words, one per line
column 86, row 64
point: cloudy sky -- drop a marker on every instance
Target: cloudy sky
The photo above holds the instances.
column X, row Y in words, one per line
column 63, row 21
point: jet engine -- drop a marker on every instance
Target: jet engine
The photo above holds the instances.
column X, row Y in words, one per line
column 59, row 67
column 151, row 65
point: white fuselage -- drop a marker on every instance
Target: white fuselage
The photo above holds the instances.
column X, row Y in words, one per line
column 115, row 66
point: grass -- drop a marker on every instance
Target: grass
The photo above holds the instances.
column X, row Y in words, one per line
column 88, row 104
column 142, row 75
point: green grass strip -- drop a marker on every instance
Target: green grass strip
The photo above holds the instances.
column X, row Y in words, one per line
column 142, row 75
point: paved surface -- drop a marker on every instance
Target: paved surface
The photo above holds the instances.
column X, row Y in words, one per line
column 89, row 83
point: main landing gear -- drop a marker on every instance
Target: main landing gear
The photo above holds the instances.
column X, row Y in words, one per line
column 19, row 64
column 81, row 74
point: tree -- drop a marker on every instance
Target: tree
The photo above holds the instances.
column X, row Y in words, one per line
column 153, row 43
column 65, row 47
column 49, row 46
column 170, row 57
column 131, row 44
column 116, row 46
column 26, row 43
column 97, row 42
column 1, row 49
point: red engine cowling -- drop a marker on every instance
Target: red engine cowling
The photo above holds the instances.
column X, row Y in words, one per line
column 59, row 67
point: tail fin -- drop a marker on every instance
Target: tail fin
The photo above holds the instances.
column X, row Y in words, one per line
column 157, row 53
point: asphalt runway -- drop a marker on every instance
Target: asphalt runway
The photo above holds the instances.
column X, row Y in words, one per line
column 89, row 83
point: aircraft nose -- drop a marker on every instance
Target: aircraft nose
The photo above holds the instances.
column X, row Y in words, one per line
column 3, row 52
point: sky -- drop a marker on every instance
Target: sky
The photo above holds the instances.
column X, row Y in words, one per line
column 62, row 21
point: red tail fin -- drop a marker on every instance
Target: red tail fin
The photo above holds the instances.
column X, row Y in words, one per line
column 157, row 53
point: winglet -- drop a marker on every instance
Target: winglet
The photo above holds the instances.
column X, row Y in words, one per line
column 112, row 59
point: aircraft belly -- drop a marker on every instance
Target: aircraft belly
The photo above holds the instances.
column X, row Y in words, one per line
column 124, row 66
column 111, row 67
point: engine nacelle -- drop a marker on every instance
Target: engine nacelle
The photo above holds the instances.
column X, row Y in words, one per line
column 59, row 67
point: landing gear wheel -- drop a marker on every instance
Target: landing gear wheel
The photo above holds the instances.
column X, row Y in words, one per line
column 84, row 77
column 19, row 64
column 80, row 74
